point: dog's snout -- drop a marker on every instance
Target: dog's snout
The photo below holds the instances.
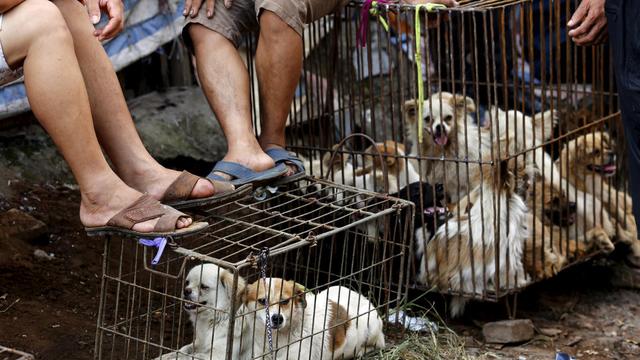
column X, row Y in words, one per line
column 277, row 320
column 572, row 206
column 187, row 291
column 439, row 129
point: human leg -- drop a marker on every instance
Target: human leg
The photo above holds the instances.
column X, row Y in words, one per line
column 54, row 88
column 112, row 119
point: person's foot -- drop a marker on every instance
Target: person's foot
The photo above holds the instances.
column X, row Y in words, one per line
column 256, row 161
column 155, row 180
column 291, row 168
column 107, row 198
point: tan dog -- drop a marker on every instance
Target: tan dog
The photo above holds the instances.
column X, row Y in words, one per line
column 401, row 172
column 335, row 324
column 587, row 162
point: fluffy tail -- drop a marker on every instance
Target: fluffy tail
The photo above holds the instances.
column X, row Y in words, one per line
column 457, row 305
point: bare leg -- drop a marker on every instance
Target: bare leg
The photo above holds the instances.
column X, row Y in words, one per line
column 278, row 64
column 59, row 101
column 112, row 120
column 225, row 82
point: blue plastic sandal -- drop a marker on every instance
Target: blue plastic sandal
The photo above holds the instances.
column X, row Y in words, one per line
column 241, row 175
column 283, row 157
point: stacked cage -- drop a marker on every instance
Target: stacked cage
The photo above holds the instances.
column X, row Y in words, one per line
column 502, row 132
column 309, row 272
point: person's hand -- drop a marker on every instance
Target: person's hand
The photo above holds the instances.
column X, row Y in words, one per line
column 115, row 11
column 588, row 25
column 191, row 7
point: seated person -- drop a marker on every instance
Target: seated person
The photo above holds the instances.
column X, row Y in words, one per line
column 213, row 31
column 44, row 50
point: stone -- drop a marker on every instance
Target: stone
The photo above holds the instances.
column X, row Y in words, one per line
column 42, row 255
column 178, row 122
column 16, row 224
column 508, row 331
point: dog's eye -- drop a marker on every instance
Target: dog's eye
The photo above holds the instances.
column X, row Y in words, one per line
column 284, row 302
column 204, row 287
column 262, row 301
column 427, row 119
column 448, row 118
column 596, row 152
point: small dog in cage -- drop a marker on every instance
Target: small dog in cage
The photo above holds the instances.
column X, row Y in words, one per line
column 338, row 323
column 587, row 162
column 208, row 296
column 461, row 255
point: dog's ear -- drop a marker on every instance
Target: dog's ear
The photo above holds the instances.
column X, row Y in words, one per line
column 299, row 295
column 226, row 278
column 410, row 110
column 461, row 102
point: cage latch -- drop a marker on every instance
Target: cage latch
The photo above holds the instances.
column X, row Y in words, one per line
column 311, row 238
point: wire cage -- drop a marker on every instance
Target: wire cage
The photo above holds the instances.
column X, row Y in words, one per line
column 502, row 132
column 319, row 254
column 13, row 354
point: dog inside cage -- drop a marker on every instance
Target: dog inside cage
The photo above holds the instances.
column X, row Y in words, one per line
column 503, row 134
column 299, row 275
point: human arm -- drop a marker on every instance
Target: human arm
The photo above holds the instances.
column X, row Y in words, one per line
column 588, row 25
column 115, row 12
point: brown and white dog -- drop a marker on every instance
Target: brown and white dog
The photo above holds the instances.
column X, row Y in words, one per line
column 455, row 146
column 587, row 162
column 461, row 257
column 335, row 324
column 208, row 298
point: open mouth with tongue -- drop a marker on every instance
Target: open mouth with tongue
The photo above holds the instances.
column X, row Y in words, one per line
column 440, row 136
column 606, row 170
column 190, row 306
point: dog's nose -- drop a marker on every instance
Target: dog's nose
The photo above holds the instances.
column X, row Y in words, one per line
column 572, row 206
column 187, row 291
column 438, row 129
column 276, row 320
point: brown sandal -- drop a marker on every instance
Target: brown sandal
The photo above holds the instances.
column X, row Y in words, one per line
column 144, row 209
column 178, row 194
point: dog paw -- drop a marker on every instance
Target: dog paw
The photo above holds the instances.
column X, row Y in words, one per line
column 601, row 241
column 553, row 264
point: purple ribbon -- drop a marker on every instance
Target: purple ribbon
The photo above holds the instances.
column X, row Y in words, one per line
column 363, row 30
column 160, row 243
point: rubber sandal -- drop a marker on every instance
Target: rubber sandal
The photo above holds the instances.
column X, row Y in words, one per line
column 178, row 194
column 242, row 175
column 284, row 157
column 144, row 209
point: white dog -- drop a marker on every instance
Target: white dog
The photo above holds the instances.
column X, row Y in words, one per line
column 336, row 324
column 208, row 296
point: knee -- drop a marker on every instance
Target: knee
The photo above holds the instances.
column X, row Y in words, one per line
column 205, row 39
column 272, row 26
column 50, row 23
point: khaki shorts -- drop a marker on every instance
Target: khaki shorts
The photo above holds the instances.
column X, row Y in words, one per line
column 243, row 15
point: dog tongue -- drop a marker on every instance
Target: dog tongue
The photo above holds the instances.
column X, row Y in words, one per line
column 610, row 168
column 441, row 140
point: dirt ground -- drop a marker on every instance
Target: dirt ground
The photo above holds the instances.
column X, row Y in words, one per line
column 48, row 306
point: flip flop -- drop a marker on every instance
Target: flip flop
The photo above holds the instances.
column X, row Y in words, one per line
column 144, row 209
column 178, row 194
column 242, row 175
column 284, row 157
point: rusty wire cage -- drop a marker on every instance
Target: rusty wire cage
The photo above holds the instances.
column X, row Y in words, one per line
column 333, row 241
column 13, row 354
column 512, row 165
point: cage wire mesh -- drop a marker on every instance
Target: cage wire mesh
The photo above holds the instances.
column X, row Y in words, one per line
column 329, row 260
column 513, row 158
column 13, row 354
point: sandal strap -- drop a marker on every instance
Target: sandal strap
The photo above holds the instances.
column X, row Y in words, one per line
column 181, row 188
column 237, row 171
column 221, row 187
column 280, row 155
column 146, row 208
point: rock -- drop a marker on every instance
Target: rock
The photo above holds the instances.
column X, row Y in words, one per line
column 551, row 332
column 178, row 123
column 15, row 224
column 624, row 276
column 508, row 331
column 42, row 255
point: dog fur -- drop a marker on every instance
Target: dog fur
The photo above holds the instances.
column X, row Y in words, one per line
column 586, row 162
column 208, row 299
column 335, row 324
